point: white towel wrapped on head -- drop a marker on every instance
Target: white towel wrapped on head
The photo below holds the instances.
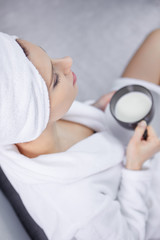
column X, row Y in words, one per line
column 24, row 99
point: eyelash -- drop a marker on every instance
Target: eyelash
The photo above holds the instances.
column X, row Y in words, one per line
column 57, row 80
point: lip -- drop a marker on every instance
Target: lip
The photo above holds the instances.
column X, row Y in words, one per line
column 74, row 78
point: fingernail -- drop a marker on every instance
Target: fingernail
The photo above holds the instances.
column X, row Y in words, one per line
column 142, row 124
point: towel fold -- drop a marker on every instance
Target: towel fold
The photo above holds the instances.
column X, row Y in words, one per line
column 24, row 99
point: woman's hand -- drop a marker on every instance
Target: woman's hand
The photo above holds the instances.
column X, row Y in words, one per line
column 139, row 150
column 103, row 101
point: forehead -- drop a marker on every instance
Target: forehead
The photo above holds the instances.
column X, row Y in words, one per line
column 39, row 58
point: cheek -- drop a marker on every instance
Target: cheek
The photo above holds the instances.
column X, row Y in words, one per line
column 60, row 102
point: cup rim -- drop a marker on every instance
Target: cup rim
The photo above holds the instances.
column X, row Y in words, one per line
column 129, row 89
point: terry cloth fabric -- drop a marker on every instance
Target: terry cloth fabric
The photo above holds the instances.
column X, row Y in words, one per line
column 86, row 192
column 32, row 228
column 24, row 111
column 153, row 223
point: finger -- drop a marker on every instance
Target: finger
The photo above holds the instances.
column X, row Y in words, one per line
column 110, row 95
column 139, row 131
column 103, row 101
column 151, row 131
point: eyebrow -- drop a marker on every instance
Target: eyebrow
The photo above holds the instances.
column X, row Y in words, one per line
column 42, row 49
column 52, row 72
column 52, row 69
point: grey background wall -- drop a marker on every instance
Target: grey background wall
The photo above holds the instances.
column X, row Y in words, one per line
column 100, row 36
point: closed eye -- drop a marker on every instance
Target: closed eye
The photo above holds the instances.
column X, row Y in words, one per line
column 56, row 79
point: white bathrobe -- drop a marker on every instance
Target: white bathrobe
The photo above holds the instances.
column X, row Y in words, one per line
column 86, row 193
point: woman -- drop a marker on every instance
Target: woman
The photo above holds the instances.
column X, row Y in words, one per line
column 70, row 172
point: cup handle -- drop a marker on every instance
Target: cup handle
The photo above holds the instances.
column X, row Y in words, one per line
column 145, row 135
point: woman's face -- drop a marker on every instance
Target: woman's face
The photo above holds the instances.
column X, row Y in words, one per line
column 57, row 75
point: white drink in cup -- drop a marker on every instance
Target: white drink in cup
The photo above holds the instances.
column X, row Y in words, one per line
column 132, row 106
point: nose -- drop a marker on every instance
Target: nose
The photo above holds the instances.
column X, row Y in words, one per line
column 63, row 64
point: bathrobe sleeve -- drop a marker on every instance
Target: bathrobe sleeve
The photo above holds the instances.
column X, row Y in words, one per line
column 123, row 218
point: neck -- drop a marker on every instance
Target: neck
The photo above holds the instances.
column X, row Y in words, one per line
column 48, row 142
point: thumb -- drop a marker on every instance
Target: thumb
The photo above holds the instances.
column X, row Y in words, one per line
column 139, row 131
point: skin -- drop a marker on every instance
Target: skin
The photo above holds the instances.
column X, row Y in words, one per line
column 145, row 65
column 54, row 137
column 63, row 95
column 61, row 98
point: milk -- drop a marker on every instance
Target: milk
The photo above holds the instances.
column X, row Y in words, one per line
column 132, row 107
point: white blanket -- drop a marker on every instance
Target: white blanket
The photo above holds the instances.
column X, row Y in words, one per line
column 86, row 192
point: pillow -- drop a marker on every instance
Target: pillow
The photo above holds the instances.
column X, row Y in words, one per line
column 34, row 231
